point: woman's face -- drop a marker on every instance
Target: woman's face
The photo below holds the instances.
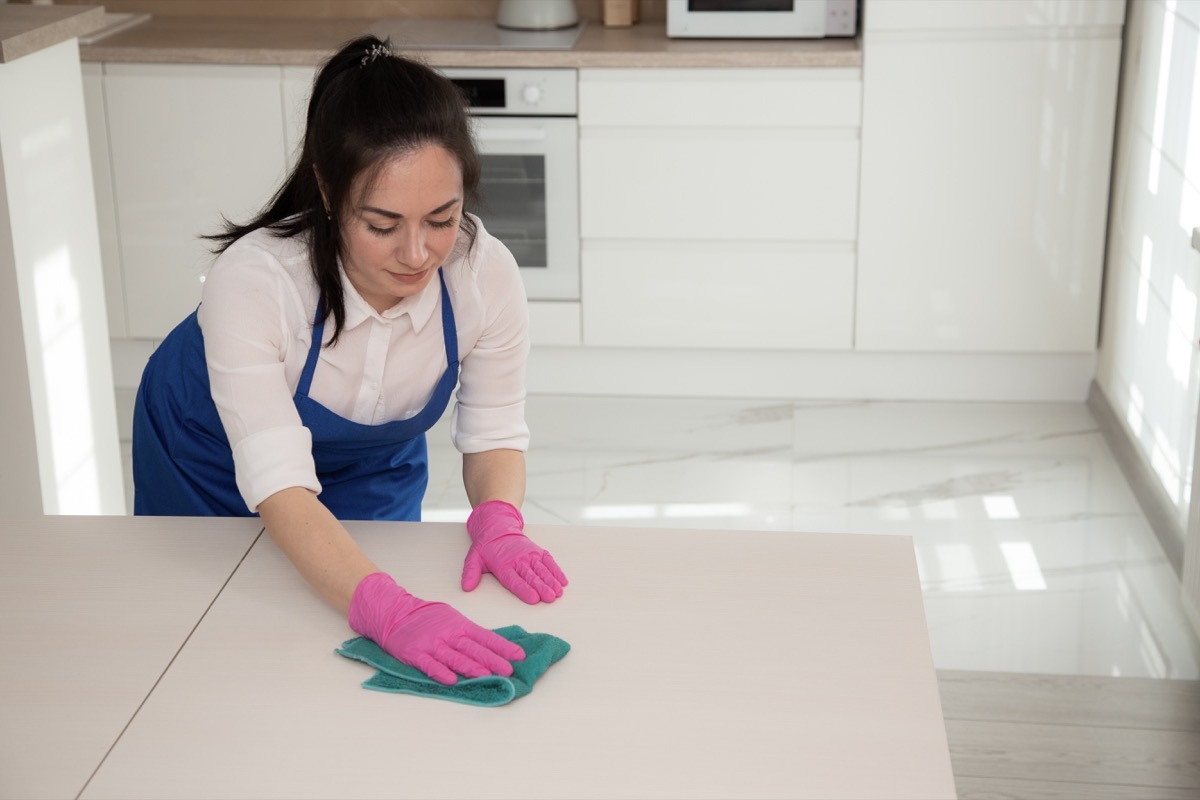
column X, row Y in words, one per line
column 395, row 236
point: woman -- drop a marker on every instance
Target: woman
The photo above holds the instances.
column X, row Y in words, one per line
column 330, row 337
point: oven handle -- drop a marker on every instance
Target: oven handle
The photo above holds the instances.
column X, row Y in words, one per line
column 511, row 134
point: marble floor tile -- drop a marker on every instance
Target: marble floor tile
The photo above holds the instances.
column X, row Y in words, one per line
column 1033, row 553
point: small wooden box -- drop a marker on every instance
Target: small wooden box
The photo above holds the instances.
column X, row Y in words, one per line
column 621, row 13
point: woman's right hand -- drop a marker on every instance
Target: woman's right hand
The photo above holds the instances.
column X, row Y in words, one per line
column 431, row 637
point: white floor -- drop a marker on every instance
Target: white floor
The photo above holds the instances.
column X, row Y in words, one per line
column 1033, row 552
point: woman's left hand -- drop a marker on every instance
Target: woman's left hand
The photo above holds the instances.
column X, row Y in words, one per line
column 500, row 546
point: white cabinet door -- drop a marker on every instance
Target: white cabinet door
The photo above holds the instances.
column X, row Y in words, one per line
column 189, row 144
column 773, row 295
column 685, row 183
column 554, row 322
column 719, row 207
column 297, row 88
column 748, row 97
column 751, row 154
column 985, row 174
column 893, row 16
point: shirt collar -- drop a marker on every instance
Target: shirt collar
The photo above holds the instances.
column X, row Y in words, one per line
column 419, row 307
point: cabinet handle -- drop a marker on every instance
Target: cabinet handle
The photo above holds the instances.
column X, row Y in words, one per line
column 1196, row 238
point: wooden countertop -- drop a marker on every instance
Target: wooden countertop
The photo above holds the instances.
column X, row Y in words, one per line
column 224, row 40
column 26, row 29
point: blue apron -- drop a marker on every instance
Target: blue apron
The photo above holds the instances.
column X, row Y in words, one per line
column 183, row 464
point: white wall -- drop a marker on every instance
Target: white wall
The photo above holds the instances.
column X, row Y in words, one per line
column 1148, row 367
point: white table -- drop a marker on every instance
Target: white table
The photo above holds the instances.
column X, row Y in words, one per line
column 92, row 610
column 704, row 664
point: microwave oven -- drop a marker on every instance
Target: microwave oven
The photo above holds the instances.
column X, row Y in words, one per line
column 762, row 19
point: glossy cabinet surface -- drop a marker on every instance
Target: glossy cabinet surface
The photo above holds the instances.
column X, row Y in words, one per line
column 242, row 128
column 719, row 207
column 721, row 98
column 950, row 196
column 741, row 185
column 985, row 177
column 981, row 15
column 189, row 143
column 771, row 295
column 297, row 85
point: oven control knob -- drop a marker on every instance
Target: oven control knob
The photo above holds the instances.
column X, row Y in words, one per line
column 531, row 94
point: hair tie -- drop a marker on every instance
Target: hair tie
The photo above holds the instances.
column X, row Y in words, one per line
column 374, row 52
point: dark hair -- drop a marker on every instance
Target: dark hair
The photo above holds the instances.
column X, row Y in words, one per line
column 367, row 105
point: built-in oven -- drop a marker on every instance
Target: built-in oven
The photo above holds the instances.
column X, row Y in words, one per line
column 528, row 136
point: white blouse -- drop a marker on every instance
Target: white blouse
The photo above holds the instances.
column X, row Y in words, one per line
column 256, row 314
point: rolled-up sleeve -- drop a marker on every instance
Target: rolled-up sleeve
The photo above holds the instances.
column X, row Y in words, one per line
column 274, row 459
column 490, row 410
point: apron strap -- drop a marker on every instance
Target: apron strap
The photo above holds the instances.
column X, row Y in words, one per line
column 449, row 330
column 314, row 349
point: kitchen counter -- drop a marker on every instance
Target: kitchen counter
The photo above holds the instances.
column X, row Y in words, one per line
column 184, row 657
column 26, row 29
column 228, row 40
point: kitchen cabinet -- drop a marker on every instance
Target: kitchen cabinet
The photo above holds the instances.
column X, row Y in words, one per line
column 188, row 144
column 986, row 150
column 930, row 225
column 297, row 86
column 241, row 127
column 726, row 294
column 719, row 207
column 927, row 16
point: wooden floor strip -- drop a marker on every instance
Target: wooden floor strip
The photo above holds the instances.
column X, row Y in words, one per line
column 1071, row 700
column 1170, row 759
column 1020, row 789
column 1052, row 737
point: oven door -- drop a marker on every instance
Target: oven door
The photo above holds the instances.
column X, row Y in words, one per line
column 530, row 193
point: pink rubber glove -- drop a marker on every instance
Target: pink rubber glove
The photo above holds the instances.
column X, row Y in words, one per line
column 431, row 637
column 500, row 546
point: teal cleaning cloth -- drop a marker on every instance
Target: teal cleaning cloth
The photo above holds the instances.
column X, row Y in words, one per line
column 541, row 650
